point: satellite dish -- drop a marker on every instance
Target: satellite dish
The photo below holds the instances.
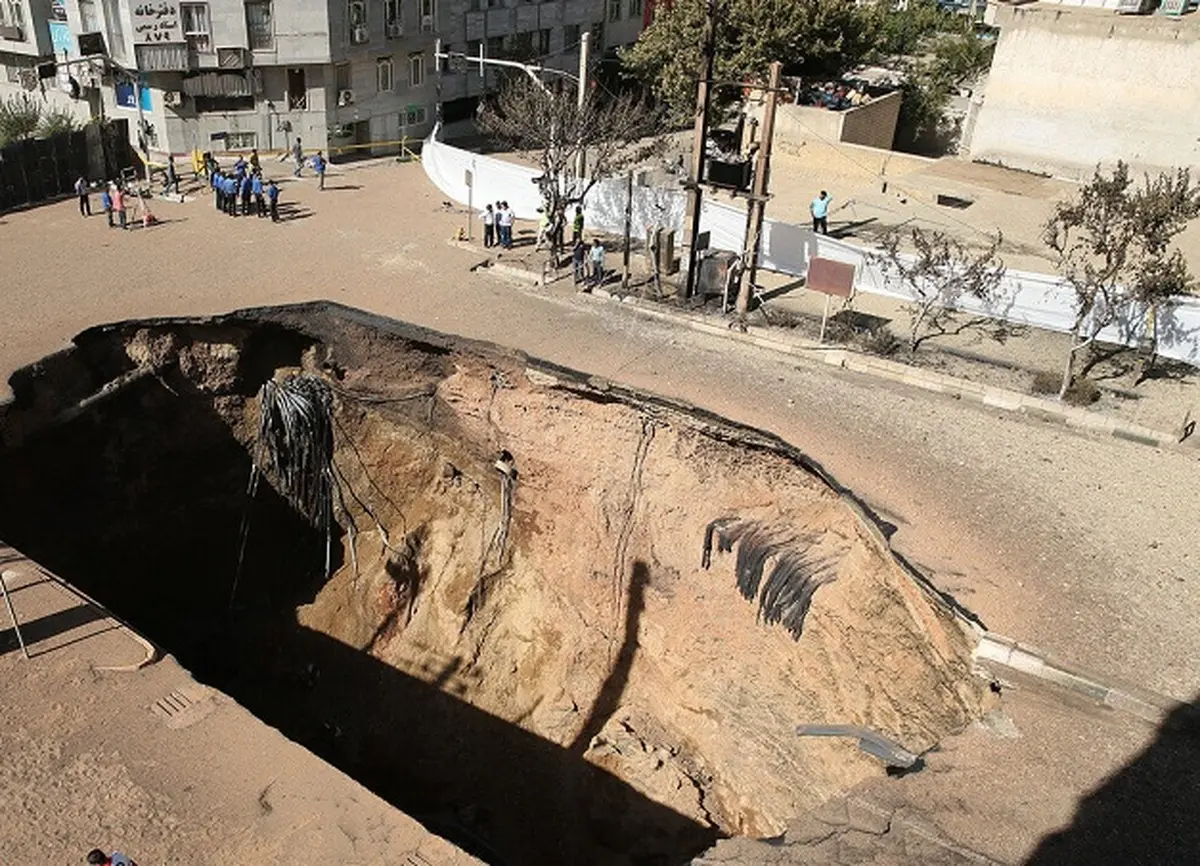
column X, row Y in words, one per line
column 29, row 78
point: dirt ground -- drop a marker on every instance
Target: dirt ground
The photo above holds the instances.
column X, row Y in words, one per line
column 1085, row 547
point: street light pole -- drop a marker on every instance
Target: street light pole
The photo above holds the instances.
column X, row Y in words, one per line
column 585, row 42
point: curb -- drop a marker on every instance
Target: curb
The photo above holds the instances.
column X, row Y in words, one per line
column 1038, row 408
column 1000, row 651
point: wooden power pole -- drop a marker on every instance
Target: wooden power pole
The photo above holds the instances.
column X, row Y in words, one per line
column 699, row 142
column 758, row 197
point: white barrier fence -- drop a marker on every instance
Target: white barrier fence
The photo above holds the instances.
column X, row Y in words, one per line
column 1024, row 298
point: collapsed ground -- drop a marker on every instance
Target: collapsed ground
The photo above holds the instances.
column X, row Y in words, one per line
column 547, row 676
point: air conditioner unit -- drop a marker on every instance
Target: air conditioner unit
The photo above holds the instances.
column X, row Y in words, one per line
column 360, row 35
column 395, row 29
column 172, row 98
column 426, row 23
column 345, row 97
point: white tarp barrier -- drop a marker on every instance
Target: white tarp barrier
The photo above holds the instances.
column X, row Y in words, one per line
column 1038, row 300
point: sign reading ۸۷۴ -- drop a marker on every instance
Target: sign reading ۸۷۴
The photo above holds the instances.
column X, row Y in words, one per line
column 155, row 23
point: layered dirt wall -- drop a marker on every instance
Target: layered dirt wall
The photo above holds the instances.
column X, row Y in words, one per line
column 519, row 632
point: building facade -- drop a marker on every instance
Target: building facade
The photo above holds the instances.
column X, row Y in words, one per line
column 1072, row 88
column 341, row 75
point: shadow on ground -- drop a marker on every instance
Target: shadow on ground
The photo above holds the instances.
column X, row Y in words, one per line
column 138, row 501
column 1147, row 813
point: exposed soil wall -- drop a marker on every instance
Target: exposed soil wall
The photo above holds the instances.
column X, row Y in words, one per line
column 551, row 679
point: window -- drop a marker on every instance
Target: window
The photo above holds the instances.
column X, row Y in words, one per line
column 116, row 30
column 635, row 8
column 414, row 115
column 12, row 14
column 341, row 75
column 241, row 141
column 88, row 22
column 543, row 42
column 522, row 44
column 360, row 30
column 260, row 24
column 195, row 27
column 614, row 10
column 597, row 36
column 297, row 90
column 428, row 15
column 571, row 38
column 495, row 46
column 473, row 47
column 15, row 66
column 384, row 75
column 416, row 70
column 393, row 22
column 223, row 104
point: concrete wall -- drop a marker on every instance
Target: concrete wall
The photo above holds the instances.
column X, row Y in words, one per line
column 1070, row 88
column 871, row 125
column 874, row 124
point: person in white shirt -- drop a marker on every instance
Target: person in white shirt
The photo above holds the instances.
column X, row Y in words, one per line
column 504, row 219
column 489, row 227
column 597, row 258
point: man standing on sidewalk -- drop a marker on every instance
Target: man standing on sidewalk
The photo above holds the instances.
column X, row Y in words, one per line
column 81, row 190
column 597, row 257
column 820, row 210
column 504, row 219
column 489, row 227
column 577, row 225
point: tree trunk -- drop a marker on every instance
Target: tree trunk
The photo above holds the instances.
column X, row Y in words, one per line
column 1069, row 370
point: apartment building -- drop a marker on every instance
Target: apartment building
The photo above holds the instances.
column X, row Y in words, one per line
column 235, row 74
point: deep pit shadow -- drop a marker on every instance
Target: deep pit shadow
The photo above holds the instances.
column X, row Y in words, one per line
column 51, row 625
column 608, row 699
column 1146, row 813
column 138, row 501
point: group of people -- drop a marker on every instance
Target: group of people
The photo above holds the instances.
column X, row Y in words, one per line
column 244, row 184
column 498, row 225
column 319, row 163
column 587, row 260
column 114, row 199
column 835, row 97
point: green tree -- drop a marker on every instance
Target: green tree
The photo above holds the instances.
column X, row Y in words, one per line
column 1113, row 245
column 19, row 118
column 56, row 120
column 945, row 59
column 812, row 38
column 942, row 272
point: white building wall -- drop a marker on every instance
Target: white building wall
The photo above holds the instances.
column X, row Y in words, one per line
column 1071, row 88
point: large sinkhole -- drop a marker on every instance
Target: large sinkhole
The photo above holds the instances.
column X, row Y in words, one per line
column 554, row 620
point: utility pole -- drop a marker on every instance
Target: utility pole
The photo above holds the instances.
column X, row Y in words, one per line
column 758, row 197
column 628, row 230
column 585, row 45
column 700, row 137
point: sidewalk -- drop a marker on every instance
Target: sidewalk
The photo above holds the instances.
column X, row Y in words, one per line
column 967, row 367
column 152, row 763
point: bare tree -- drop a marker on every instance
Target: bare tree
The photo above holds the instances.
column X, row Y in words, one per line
column 940, row 274
column 1113, row 246
column 617, row 132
